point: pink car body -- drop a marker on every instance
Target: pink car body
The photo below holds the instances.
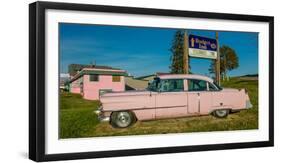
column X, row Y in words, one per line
column 174, row 95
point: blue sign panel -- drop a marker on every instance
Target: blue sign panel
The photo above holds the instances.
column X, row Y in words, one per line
column 202, row 43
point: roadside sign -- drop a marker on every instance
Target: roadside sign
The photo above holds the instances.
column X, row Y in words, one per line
column 202, row 47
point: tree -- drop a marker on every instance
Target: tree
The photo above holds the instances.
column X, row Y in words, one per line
column 177, row 66
column 73, row 68
column 228, row 61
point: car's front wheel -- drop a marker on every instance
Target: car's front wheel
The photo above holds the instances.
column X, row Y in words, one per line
column 122, row 119
column 222, row 113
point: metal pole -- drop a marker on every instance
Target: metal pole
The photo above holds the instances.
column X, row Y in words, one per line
column 225, row 70
column 185, row 54
column 218, row 61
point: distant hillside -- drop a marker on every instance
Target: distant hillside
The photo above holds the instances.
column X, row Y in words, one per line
column 250, row 75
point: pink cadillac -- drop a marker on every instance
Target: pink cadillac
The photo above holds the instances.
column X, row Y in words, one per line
column 171, row 96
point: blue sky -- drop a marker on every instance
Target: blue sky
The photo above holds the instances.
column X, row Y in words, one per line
column 144, row 51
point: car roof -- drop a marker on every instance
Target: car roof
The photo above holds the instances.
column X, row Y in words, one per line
column 186, row 76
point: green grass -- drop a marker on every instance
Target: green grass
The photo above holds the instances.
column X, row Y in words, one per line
column 77, row 118
column 76, row 115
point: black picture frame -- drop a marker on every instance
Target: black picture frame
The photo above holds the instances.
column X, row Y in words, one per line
column 37, row 80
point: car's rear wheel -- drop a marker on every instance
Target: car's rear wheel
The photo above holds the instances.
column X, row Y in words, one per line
column 122, row 119
column 221, row 113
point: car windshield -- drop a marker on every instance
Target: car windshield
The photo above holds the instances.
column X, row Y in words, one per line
column 153, row 85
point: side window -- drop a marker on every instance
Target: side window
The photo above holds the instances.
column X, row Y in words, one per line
column 94, row 78
column 212, row 87
column 116, row 78
column 197, row 85
column 171, row 85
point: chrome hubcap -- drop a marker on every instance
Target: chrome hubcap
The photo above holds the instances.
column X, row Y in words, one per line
column 123, row 119
column 221, row 113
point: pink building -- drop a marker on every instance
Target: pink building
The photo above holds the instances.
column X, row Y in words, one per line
column 91, row 82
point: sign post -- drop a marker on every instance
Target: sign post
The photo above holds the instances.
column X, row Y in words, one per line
column 218, row 61
column 185, row 54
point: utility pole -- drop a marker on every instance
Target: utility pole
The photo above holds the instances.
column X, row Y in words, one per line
column 218, row 61
column 225, row 70
column 185, row 54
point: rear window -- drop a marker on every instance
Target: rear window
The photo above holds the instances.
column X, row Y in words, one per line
column 197, row 85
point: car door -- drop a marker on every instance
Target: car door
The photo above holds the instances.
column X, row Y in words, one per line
column 199, row 97
column 171, row 100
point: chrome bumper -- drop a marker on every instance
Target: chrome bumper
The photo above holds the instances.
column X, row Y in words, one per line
column 248, row 104
column 100, row 115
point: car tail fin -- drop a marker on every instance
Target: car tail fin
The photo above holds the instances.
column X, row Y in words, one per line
column 245, row 89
